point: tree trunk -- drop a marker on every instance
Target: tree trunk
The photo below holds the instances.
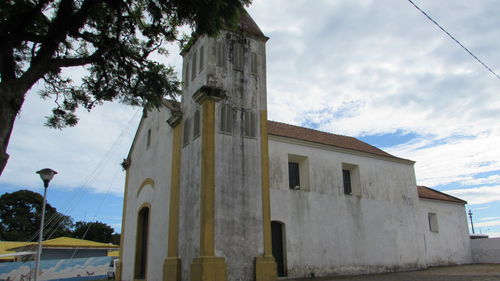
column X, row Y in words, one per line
column 10, row 104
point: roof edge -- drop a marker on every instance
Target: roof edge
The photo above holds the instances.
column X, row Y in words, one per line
column 454, row 199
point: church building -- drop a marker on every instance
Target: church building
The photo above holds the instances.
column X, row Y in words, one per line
column 215, row 191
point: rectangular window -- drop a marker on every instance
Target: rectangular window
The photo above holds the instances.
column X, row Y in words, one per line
column 186, row 75
column 346, row 175
column 196, row 124
column 253, row 63
column 249, row 124
column 221, row 54
column 193, row 67
column 351, row 180
column 433, row 222
column 238, row 56
column 298, row 172
column 293, row 175
column 185, row 133
column 148, row 140
column 202, row 58
column 226, row 119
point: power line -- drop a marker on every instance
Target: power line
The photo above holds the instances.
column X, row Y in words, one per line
column 55, row 221
column 451, row 36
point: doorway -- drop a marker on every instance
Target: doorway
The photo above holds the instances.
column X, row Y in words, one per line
column 278, row 241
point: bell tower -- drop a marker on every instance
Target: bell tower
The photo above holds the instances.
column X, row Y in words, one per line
column 224, row 206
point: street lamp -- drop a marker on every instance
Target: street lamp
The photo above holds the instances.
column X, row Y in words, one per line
column 46, row 175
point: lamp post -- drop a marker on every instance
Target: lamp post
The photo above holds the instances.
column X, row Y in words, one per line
column 46, row 175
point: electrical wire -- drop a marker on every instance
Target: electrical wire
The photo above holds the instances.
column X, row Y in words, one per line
column 56, row 220
column 454, row 39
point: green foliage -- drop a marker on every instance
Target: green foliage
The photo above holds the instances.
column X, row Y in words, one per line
column 115, row 238
column 109, row 42
column 94, row 231
column 113, row 40
column 20, row 217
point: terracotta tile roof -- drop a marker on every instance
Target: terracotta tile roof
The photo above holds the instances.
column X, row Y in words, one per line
column 301, row 133
column 429, row 193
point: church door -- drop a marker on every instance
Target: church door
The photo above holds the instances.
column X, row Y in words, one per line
column 278, row 240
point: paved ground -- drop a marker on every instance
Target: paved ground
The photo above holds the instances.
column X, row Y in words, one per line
column 474, row 272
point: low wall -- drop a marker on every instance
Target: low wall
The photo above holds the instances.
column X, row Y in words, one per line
column 57, row 270
column 486, row 250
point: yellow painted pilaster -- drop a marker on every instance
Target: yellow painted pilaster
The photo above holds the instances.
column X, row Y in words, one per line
column 265, row 266
column 207, row 179
column 172, row 264
column 208, row 267
column 119, row 265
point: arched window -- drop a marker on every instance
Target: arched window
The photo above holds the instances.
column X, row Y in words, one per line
column 141, row 247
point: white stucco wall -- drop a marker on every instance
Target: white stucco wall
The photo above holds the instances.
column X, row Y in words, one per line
column 486, row 250
column 153, row 163
column 451, row 243
column 329, row 232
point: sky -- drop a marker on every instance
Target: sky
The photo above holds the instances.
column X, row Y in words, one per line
column 377, row 70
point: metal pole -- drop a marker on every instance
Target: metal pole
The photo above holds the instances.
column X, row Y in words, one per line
column 40, row 236
column 471, row 223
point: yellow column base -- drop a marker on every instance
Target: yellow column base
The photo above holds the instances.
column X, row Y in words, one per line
column 209, row 269
column 172, row 269
column 118, row 271
column 265, row 268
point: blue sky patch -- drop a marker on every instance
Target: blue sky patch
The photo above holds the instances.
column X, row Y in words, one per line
column 390, row 139
column 486, row 174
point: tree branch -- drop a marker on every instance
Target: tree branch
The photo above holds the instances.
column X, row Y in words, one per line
column 64, row 21
column 67, row 62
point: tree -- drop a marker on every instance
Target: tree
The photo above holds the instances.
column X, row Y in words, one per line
column 112, row 39
column 95, row 231
column 20, row 214
column 115, row 238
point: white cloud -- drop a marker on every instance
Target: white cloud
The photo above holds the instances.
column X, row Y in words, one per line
column 480, row 195
column 87, row 155
column 489, row 223
column 489, row 218
column 350, row 67
column 494, row 179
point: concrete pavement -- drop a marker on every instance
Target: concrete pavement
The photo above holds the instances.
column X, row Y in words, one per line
column 474, row 272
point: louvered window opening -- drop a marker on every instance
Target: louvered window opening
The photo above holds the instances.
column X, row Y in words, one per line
column 238, row 57
column 226, row 119
column 249, row 122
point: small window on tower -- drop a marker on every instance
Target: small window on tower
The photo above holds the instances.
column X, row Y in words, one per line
column 226, row 119
column 193, row 65
column 185, row 133
column 249, row 122
column 148, row 141
column 238, row 56
column 196, row 124
column 221, row 54
column 253, row 63
column 186, row 75
column 202, row 58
